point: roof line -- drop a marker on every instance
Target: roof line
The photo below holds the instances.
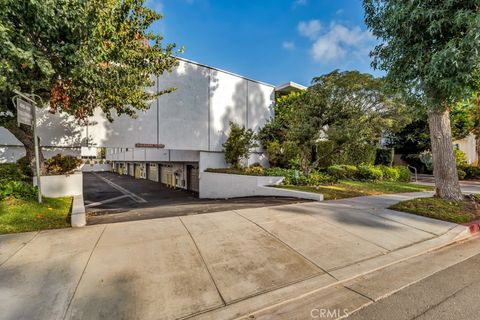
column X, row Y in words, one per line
column 225, row 71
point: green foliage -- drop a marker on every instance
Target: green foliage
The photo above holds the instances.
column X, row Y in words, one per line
column 10, row 172
column 369, row 173
column 62, row 164
column 460, row 158
column 430, row 48
column 17, row 190
column 472, row 172
column 357, row 155
column 384, row 156
column 337, row 171
column 350, row 171
column 390, row 173
column 405, row 174
column 25, row 166
column 316, row 178
column 461, row 174
column 239, row 143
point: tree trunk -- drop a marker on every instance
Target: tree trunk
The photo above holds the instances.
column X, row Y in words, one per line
column 444, row 165
column 25, row 135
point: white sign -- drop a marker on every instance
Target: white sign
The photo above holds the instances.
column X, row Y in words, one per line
column 24, row 112
column 88, row 152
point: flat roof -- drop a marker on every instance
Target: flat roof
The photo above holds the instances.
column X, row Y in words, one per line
column 289, row 87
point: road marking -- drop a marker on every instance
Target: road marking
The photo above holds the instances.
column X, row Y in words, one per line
column 99, row 203
column 132, row 195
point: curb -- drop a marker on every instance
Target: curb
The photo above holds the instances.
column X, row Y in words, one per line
column 78, row 218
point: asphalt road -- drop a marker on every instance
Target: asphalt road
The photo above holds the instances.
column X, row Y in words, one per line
column 453, row 293
column 112, row 198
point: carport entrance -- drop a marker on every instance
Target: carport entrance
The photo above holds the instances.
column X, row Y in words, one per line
column 193, row 178
column 110, row 197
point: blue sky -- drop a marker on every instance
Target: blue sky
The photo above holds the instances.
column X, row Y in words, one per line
column 274, row 41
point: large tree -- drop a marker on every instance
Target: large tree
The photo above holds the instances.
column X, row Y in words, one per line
column 78, row 56
column 430, row 49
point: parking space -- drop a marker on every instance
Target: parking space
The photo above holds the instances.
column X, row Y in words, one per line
column 116, row 198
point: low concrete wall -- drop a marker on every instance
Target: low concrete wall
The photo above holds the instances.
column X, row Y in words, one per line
column 96, row 167
column 222, row 185
column 78, row 218
column 61, row 185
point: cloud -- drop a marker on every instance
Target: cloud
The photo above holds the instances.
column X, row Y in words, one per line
column 309, row 29
column 340, row 41
column 288, row 45
column 298, row 3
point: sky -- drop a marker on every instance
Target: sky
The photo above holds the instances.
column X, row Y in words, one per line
column 274, row 41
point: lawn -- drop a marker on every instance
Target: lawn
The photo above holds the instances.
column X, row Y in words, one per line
column 27, row 215
column 458, row 212
column 350, row 189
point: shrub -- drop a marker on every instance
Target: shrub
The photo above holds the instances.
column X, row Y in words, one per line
column 290, row 177
column 384, row 156
column 25, row 166
column 461, row 174
column 256, row 164
column 460, row 158
column 10, row 172
column 337, row 171
column 254, row 171
column 357, row 155
column 239, row 143
column 18, row 190
column 390, row 173
column 61, row 164
column 369, row 173
column 427, row 159
column 472, row 172
column 350, row 171
column 405, row 174
column 317, row 178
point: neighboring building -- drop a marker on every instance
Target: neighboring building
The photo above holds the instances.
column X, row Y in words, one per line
column 190, row 123
column 469, row 146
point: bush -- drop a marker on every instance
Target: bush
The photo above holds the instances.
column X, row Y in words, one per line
column 10, row 172
column 61, row 164
column 18, row 190
column 461, row 174
column 390, row 173
column 239, row 143
column 290, row 177
column 384, row 156
column 337, row 171
column 25, row 166
column 254, row 171
column 460, row 158
column 472, row 172
column 405, row 175
column 369, row 173
column 363, row 154
column 351, row 171
column 317, row 178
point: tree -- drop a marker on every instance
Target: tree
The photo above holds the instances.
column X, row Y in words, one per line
column 79, row 56
column 430, row 50
column 348, row 109
column 239, row 144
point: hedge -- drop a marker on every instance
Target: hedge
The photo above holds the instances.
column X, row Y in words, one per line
column 384, row 156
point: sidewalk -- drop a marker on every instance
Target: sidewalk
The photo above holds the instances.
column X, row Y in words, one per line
column 216, row 265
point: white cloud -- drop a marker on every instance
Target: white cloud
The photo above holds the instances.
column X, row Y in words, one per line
column 340, row 41
column 298, row 3
column 309, row 29
column 288, row 45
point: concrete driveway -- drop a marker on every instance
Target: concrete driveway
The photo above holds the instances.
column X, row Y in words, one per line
column 113, row 198
column 214, row 266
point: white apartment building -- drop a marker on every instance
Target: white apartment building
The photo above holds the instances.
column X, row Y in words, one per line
column 179, row 136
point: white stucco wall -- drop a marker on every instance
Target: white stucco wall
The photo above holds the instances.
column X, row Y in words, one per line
column 61, row 185
column 469, row 147
column 220, row 186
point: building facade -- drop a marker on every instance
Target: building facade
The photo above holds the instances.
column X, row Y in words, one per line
column 180, row 135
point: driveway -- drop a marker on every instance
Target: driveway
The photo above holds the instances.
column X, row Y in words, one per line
column 214, row 266
column 111, row 198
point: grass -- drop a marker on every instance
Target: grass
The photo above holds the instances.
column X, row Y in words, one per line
column 458, row 212
column 349, row 189
column 27, row 215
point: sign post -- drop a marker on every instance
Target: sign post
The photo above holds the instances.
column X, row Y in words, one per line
column 26, row 114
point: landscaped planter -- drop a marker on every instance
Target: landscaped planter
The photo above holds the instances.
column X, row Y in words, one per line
column 61, row 185
column 224, row 185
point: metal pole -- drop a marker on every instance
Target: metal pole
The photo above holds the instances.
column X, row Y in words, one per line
column 37, row 152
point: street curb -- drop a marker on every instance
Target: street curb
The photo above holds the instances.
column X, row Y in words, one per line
column 78, row 218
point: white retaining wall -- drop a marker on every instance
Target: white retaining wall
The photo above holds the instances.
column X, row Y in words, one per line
column 61, row 185
column 222, row 186
column 96, row 167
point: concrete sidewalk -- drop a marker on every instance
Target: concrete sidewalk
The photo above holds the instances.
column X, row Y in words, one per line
column 215, row 266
